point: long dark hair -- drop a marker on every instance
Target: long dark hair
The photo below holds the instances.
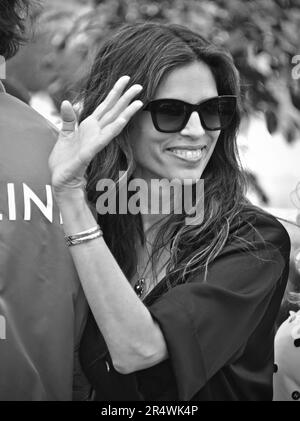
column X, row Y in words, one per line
column 12, row 25
column 147, row 52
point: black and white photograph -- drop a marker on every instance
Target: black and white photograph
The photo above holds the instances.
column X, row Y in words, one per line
column 149, row 203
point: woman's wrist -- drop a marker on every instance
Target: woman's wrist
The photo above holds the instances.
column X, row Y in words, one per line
column 75, row 211
column 69, row 197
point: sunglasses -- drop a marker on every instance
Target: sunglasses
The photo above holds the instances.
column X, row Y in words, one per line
column 172, row 115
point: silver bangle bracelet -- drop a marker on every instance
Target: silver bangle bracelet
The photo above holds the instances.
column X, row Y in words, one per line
column 82, row 237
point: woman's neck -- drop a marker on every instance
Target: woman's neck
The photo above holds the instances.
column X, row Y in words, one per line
column 158, row 200
column 157, row 207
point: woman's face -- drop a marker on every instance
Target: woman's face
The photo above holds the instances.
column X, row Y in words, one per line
column 192, row 83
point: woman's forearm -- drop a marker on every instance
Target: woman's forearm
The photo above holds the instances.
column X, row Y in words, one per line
column 134, row 339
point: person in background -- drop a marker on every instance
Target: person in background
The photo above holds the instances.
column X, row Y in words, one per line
column 42, row 307
column 179, row 311
column 286, row 378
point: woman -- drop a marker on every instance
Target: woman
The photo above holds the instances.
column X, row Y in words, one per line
column 180, row 311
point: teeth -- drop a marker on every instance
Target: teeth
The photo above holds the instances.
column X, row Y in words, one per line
column 188, row 154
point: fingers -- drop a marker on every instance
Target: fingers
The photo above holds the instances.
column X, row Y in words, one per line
column 120, row 105
column 115, row 102
column 68, row 117
column 114, row 128
column 112, row 97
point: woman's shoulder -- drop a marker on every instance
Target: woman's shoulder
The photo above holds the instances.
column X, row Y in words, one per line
column 261, row 219
column 256, row 225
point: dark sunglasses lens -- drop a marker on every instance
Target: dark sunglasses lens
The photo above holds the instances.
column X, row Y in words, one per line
column 209, row 111
column 217, row 113
column 227, row 109
column 169, row 115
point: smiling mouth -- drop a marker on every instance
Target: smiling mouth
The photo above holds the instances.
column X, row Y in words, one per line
column 188, row 154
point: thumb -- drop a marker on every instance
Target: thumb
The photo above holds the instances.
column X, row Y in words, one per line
column 68, row 117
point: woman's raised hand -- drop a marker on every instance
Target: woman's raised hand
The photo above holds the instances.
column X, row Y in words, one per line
column 77, row 145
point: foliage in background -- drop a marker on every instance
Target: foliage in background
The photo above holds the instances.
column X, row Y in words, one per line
column 262, row 35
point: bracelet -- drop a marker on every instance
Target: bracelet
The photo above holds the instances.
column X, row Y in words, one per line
column 82, row 237
column 84, row 233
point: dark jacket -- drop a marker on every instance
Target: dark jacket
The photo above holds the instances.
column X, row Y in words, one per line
column 219, row 333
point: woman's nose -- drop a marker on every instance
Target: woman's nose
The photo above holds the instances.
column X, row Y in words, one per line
column 193, row 127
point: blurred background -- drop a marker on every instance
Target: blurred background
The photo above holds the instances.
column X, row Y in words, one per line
column 262, row 35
